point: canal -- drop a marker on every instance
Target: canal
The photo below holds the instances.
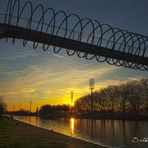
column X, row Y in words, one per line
column 110, row 133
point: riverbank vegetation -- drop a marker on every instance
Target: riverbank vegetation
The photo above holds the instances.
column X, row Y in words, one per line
column 52, row 111
column 14, row 134
column 124, row 101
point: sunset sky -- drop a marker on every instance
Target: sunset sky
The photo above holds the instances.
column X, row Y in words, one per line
column 48, row 78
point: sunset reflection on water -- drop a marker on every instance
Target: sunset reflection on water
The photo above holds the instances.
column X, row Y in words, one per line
column 103, row 132
column 72, row 125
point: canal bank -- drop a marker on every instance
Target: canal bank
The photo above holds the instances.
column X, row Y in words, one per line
column 16, row 134
column 109, row 133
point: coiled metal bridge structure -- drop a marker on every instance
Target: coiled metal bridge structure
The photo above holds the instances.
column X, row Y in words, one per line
column 85, row 37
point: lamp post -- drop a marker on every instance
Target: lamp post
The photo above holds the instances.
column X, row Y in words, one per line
column 72, row 102
column 91, row 87
column 30, row 106
column 72, row 98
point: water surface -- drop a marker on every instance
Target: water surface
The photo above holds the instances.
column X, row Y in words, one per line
column 111, row 133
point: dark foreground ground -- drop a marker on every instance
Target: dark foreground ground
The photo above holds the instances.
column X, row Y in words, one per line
column 14, row 134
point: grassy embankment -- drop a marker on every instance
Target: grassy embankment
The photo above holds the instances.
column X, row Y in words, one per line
column 15, row 134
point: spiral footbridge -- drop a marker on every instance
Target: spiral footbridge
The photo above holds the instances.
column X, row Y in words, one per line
column 84, row 37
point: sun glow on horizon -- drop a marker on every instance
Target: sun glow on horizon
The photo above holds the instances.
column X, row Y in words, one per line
column 72, row 103
column 48, row 79
column 57, row 98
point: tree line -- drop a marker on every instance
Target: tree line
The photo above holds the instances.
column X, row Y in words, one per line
column 52, row 111
column 124, row 100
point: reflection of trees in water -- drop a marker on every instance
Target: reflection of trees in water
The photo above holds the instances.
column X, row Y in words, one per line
column 102, row 127
column 111, row 132
column 37, row 120
column 112, row 127
column 30, row 119
column 135, row 129
column 114, row 131
column 108, row 129
column 94, row 128
column 123, row 130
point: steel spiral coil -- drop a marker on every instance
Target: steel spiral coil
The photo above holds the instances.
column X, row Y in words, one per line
column 75, row 28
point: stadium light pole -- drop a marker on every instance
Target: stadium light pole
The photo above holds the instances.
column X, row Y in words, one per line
column 91, row 87
column 72, row 98
column 30, row 106
column 72, row 102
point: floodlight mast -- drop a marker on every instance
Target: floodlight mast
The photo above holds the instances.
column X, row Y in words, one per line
column 72, row 103
column 91, row 87
column 71, row 97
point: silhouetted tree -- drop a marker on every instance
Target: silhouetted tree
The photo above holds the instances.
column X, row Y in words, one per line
column 134, row 95
column 144, row 94
column 83, row 104
column 21, row 112
column 111, row 95
column 37, row 111
column 54, row 110
column 123, row 102
column 127, row 99
column 2, row 107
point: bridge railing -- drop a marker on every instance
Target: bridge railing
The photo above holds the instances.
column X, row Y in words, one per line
column 83, row 30
column 74, row 35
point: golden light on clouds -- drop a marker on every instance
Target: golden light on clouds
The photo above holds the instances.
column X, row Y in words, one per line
column 49, row 78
